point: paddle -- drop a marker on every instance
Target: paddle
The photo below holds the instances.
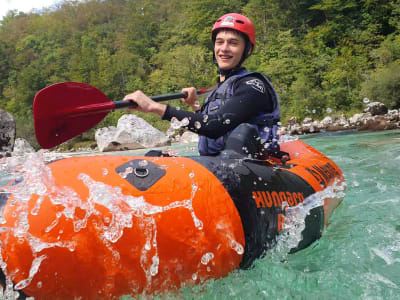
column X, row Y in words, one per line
column 65, row 110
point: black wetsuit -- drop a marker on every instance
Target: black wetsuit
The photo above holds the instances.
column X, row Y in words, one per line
column 248, row 100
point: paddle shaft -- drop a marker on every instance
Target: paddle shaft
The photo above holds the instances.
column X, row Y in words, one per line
column 96, row 108
column 160, row 98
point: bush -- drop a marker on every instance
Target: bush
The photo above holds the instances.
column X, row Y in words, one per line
column 25, row 130
column 384, row 86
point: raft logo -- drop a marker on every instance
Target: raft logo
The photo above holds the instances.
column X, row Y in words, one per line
column 323, row 174
column 274, row 198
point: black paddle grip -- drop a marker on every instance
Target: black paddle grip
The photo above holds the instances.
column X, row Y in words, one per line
column 126, row 104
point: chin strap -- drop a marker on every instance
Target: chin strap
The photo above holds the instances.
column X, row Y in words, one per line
column 227, row 73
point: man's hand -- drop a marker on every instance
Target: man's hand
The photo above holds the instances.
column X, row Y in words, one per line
column 191, row 99
column 145, row 104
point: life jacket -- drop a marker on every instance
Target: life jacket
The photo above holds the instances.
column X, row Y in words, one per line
column 265, row 123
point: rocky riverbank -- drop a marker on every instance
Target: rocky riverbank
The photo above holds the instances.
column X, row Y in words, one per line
column 375, row 116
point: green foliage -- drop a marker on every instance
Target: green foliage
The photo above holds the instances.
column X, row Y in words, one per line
column 24, row 126
column 319, row 54
column 384, row 85
column 182, row 66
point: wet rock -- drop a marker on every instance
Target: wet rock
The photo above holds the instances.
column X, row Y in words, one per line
column 326, row 122
column 357, row 119
column 294, row 126
column 131, row 133
column 392, row 115
column 296, row 129
column 315, row 127
column 293, row 121
column 307, row 121
column 374, row 123
column 7, row 131
column 21, row 147
column 376, row 108
column 342, row 122
column 310, row 126
column 334, row 123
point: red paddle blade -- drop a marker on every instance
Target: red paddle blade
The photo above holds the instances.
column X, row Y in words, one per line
column 65, row 110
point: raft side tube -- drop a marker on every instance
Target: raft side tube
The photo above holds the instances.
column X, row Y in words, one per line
column 116, row 239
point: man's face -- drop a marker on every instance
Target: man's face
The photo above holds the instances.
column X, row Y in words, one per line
column 228, row 49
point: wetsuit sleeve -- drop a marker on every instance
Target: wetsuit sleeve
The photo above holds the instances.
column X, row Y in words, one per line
column 250, row 97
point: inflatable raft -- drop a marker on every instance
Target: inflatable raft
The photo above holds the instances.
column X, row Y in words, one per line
column 101, row 227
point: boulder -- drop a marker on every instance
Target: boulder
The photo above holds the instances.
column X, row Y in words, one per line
column 374, row 123
column 343, row 122
column 296, row 129
column 325, row 123
column 310, row 126
column 21, row 147
column 339, row 123
column 7, row 131
column 189, row 137
column 294, row 126
column 307, row 121
column 131, row 133
column 392, row 116
column 293, row 121
column 376, row 108
column 357, row 119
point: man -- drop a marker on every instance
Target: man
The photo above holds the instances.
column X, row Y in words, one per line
column 241, row 101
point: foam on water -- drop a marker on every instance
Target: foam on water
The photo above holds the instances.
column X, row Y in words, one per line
column 294, row 223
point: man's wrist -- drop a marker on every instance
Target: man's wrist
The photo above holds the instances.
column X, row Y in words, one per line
column 159, row 109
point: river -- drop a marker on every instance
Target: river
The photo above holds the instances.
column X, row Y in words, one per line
column 358, row 256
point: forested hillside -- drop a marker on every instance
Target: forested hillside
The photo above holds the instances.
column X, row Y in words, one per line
column 324, row 55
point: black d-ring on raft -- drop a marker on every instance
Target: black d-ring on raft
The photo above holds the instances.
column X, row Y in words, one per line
column 141, row 172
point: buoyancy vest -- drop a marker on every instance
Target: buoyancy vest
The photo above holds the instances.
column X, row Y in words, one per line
column 265, row 123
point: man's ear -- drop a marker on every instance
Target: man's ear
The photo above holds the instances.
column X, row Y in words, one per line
column 250, row 51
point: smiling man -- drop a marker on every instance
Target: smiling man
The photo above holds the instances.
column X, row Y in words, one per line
column 244, row 103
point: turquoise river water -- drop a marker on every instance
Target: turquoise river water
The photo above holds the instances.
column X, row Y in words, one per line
column 358, row 256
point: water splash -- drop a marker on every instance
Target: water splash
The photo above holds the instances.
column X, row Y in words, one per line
column 284, row 138
column 124, row 210
column 237, row 247
column 33, row 270
column 294, row 223
column 175, row 124
column 366, row 100
column 206, row 258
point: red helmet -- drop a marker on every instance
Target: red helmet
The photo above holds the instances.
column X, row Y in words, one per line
column 237, row 22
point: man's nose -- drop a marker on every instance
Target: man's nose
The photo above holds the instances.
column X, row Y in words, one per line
column 224, row 46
